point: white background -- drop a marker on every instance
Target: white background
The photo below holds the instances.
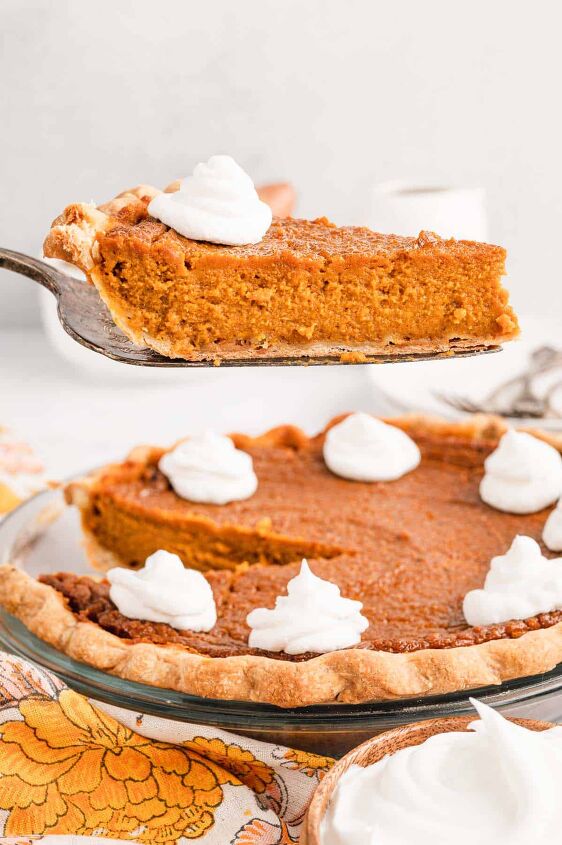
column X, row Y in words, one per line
column 332, row 94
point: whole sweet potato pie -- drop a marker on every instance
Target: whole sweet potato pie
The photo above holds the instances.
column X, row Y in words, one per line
column 408, row 549
column 308, row 288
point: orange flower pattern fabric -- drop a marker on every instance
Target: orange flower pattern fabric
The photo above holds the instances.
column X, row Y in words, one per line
column 72, row 768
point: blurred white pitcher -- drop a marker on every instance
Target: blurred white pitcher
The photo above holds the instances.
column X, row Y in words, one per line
column 404, row 209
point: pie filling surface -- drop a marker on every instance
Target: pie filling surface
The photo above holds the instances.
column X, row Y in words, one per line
column 409, row 549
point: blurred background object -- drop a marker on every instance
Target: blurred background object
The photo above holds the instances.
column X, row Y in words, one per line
column 397, row 207
column 281, row 198
column 523, row 382
column 21, row 471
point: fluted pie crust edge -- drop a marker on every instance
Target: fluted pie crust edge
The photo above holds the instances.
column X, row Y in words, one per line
column 349, row 676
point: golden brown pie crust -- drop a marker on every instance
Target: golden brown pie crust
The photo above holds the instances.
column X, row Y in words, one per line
column 353, row 675
column 308, row 288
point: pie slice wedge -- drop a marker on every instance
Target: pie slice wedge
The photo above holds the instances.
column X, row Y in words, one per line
column 409, row 550
column 309, row 288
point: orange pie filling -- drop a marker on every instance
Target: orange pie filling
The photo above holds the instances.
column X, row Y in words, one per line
column 409, row 550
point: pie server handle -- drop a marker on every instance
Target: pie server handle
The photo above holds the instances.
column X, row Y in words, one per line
column 34, row 269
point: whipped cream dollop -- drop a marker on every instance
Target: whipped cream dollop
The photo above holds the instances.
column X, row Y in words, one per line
column 164, row 591
column 21, row 471
column 552, row 531
column 218, row 203
column 363, row 448
column 523, row 475
column 519, row 584
column 209, row 468
column 313, row 616
column 496, row 783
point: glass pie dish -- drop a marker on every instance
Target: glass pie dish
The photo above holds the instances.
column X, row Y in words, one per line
column 43, row 535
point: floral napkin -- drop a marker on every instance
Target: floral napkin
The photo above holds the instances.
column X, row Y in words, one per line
column 71, row 767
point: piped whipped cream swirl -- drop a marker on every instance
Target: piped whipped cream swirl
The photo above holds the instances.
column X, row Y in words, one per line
column 218, row 203
column 363, row 448
column 164, row 591
column 209, row 468
column 496, row 783
column 523, row 475
column 519, row 584
column 552, row 531
column 312, row 617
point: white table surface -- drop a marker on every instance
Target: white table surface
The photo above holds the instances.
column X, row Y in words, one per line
column 77, row 419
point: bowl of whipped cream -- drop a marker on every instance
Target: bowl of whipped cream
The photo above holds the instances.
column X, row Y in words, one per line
column 453, row 781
